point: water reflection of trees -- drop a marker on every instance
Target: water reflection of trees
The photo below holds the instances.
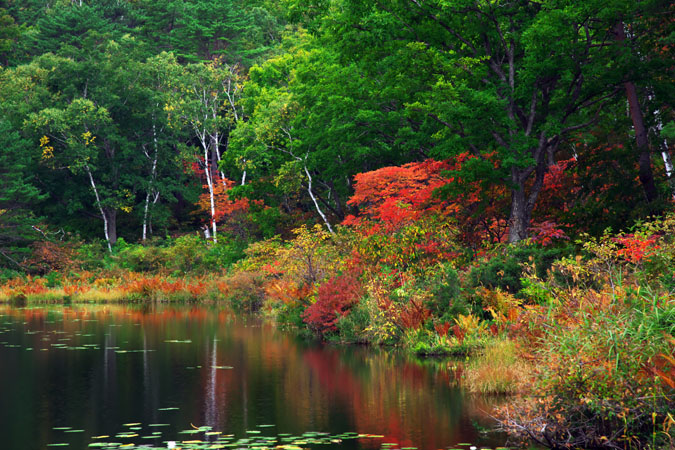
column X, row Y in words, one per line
column 275, row 378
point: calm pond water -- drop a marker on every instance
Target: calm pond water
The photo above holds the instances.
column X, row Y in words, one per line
column 146, row 376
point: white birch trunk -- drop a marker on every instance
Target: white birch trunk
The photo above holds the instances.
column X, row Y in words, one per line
column 665, row 154
column 202, row 135
column 316, row 203
column 100, row 208
column 209, row 183
column 153, row 176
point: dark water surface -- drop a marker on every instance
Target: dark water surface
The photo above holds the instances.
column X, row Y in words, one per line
column 69, row 375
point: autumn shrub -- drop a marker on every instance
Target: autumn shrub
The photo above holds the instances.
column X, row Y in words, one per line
column 334, row 300
column 49, row 255
column 381, row 329
column 245, row 291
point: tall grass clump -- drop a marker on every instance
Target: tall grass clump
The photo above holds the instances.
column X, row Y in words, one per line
column 498, row 369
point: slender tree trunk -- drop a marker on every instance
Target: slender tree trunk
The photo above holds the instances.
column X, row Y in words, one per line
column 668, row 162
column 145, row 215
column 665, row 154
column 316, row 203
column 212, row 200
column 208, row 173
column 100, row 208
column 153, row 176
column 111, row 214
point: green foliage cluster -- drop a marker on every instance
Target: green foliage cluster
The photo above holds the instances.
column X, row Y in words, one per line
column 506, row 270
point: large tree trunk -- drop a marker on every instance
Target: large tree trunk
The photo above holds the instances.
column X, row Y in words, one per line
column 523, row 200
column 519, row 217
column 642, row 143
column 646, row 174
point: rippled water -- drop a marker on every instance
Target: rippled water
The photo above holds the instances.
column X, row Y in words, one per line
column 146, row 376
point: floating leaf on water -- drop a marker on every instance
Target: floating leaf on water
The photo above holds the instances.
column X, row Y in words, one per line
column 170, row 408
column 131, row 424
column 158, row 425
column 126, row 435
column 177, row 341
column 223, row 367
column 104, row 436
column 253, row 431
column 62, row 428
column 60, row 444
column 74, row 431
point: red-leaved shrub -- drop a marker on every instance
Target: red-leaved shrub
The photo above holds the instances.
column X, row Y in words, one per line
column 335, row 298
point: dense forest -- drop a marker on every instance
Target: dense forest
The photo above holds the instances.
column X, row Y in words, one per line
column 485, row 177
